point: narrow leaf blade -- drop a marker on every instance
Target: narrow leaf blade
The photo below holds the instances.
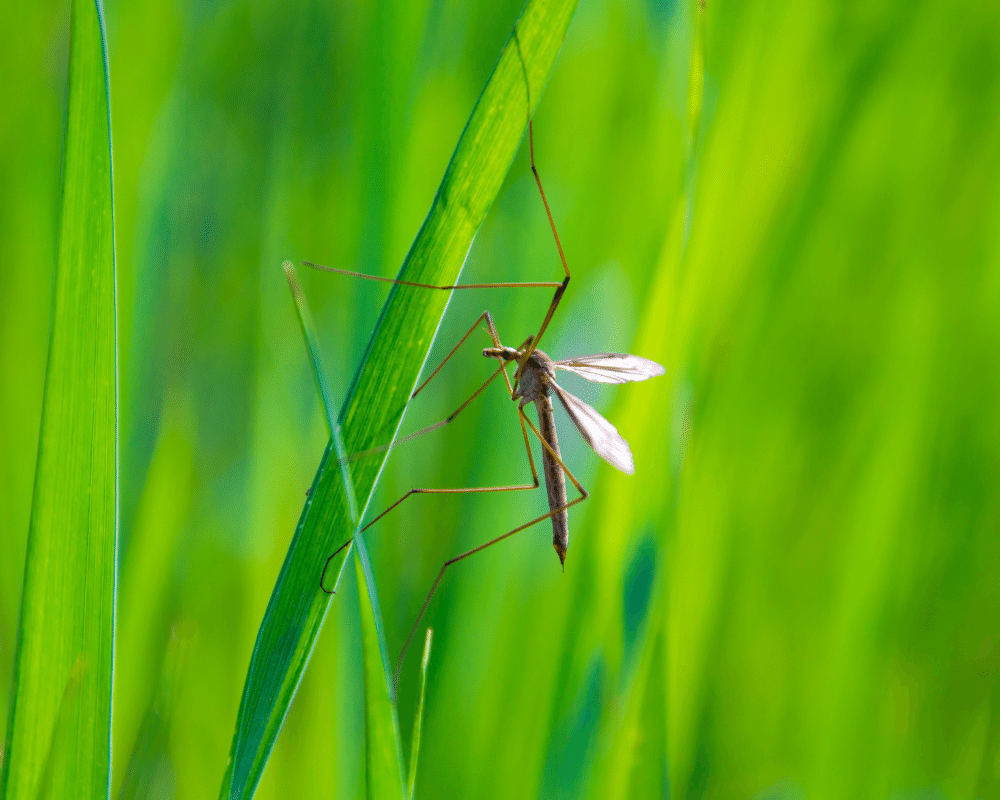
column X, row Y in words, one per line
column 59, row 723
column 383, row 765
column 383, row 756
column 418, row 719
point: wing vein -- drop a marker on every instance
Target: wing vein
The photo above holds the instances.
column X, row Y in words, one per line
column 601, row 435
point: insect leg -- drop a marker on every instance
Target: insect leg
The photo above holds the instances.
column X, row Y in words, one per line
column 444, row 567
column 448, row 288
column 392, row 445
column 561, row 287
column 465, row 490
column 559, row 461
column 471, row 489
column 493, row 335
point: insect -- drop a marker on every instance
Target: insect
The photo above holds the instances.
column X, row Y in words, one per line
column 534, row 381
column 538, row 384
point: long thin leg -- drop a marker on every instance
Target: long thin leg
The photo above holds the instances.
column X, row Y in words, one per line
column 444, row 567
column 560, row 286
column 493, row 335
column 501, row 371
column 448, row 288
column 472, row 489
column 534, row 171
column 555, row 455
column 384, row 447
column 465, row 490
column 562, row 256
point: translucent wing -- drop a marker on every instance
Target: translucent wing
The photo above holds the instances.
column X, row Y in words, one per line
column 612, row 367
column 596, row 431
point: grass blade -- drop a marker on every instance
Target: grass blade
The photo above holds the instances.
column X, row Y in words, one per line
column 382, row 385
column 383, row 755
column 323, row 386
column 59, row 723
column 418, row 719
column 383, row 762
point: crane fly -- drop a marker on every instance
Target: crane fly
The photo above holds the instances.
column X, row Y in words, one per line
column 538, row 384
column 534, row 381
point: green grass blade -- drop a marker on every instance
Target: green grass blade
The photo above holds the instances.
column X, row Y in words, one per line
column 383, row 761
column 59, row 723
column 418, row 719
column 323, row 386
column 312, row 343
column 382, row 385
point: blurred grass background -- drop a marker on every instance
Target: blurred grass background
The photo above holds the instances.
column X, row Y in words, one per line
column 795, row 596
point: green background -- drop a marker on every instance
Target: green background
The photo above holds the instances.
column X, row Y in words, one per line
column 795, row 596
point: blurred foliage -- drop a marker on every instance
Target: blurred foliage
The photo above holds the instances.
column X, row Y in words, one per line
column 795, row 595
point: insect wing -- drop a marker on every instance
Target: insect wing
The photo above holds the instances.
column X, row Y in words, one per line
column 612, row 367
column 596, row 431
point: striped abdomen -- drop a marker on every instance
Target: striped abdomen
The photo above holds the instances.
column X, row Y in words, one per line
column 555, row 479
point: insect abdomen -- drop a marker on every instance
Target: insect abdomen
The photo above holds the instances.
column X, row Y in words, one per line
column 555, row 479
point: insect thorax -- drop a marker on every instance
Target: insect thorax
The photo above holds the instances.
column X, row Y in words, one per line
column 535, row 379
